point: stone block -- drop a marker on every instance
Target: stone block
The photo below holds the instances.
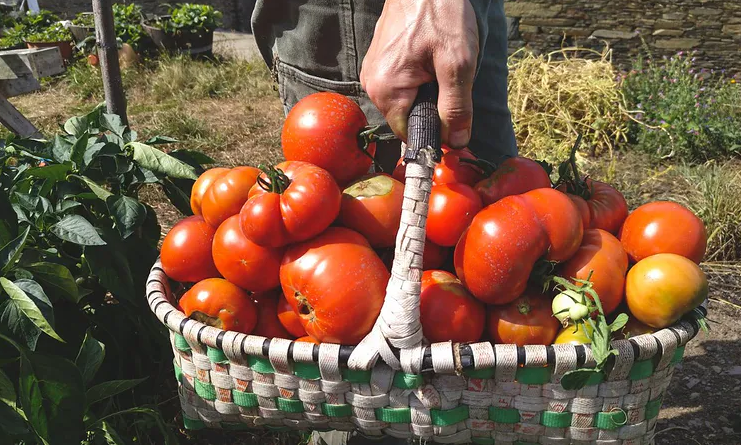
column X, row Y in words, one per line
column 669, row 24
column 528, row 29
column 668, row 32
column 732, row 29
column 677, row 44
column 705, row 12
column 674, row 16
column 531, row 9
column 547, row 22
column 611, row 34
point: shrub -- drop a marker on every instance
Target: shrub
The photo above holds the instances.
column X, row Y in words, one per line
column 54, row 33
column 680, row 111
column 76, row 244
column 191, row 17
column 29, row 24
column 554, row 97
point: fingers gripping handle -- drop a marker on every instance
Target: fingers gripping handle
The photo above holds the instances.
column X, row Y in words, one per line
column 397, row 336
column 424, row 123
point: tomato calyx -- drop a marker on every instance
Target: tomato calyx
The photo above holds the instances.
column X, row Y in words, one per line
column 524, row 307
column 206, row 319
column 569, row 177
column 277, row 181
column 370, row 135
column 487, row 167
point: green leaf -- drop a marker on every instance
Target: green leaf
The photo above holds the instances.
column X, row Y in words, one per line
column 157, row 140
column 76, row 126
column 10, row 252
column 53, row 397
column 160, row 162
column 17, row 325
column 110, row 435
column 91, row 152
column 90, row 357
column 8, row 220
column 7, row 390
column 11, row 421
column 105, row 390
column 177, row 197
column 193, row 156
column 127, row 212
column 113, row 122
column 99, row 191
column 111, row 267
column 28, row 307
column 55, row 172
column 577, row 379
column 619, row 322
column 56, row 278
column 78, row 230
column 60, row 149
column 78, row 151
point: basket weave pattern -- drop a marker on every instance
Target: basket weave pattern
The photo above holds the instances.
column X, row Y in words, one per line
column 444, row 392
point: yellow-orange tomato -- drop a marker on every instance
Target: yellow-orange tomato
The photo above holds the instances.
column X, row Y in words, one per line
column 661, row 288
column 201, row 186
column 573, row 335
column 635, row 327
column 227, row 194
column 663, row 227
column 372, row 206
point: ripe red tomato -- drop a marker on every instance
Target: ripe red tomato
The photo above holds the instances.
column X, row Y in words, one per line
column 497, row 253
column 450, row 168
column 227, row 194
column 336, row 283
column 201, row 186
column 323, row 129
column 372, row 206
column 186, row 251
column 308, row 339
column 221, row 304
column 663, row 287
column 447, row 311
column 528, row 320
column 451, row 209
column 244, row 263
column 268, row 324
column 664, row 227
column 603, row 255
column 434, row 256
column 298, row 205
column 514, row 176
column 289, row 318
column 607, row 206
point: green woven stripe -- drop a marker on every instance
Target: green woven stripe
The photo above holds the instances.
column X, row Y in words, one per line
column 234, row 426
column 216, row 355
column 178, row 372
column 485, row 373
column 352, row 376
column 336, row 410
column 553, row 419
column 193, row 424
column 596, row 379
column 641, row 370
column 307, row 371
column 407, row 381
column 290, row 405
column 205, row 390
column 652, row 408
column 394, row 415
column 610, row 421
column 678, row 354
column 533, row 376
column 260, row 364
column 504, row 415
column 244, row 399
column 180, row 343
column 483, row 440
column 449, row 416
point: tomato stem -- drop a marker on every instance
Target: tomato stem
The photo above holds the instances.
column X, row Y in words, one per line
column 277, row 181
column 569, row 174
column 369, row 135
column 487, row 167
column 524, row 307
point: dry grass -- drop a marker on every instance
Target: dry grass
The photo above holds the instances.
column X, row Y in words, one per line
column 555, row 96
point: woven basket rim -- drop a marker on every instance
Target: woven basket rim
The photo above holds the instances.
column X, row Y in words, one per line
column 684, row 331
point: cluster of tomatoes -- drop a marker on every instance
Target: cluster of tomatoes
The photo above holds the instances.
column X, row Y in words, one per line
column 304, row 249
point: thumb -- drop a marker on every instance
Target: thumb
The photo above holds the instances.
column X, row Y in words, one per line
column 455, row 104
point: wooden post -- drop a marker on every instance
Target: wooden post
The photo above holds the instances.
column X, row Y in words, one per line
column 105, row 35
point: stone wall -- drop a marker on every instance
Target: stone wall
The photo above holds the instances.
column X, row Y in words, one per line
column 712, row 28
column 236, row 12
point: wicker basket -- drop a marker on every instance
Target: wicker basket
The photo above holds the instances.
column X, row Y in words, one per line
column 448, row 393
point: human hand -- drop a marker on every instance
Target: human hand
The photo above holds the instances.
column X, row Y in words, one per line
column 418, row 41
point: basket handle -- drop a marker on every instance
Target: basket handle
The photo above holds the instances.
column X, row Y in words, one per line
column 397, row 334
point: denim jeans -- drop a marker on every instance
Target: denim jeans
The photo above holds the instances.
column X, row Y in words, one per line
column 319, row 45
